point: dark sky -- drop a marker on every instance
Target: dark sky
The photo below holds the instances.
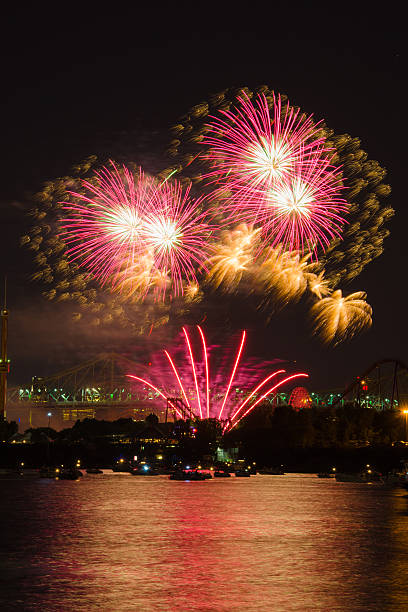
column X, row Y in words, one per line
column 76, row 83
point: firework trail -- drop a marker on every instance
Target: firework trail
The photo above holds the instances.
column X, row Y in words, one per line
column 337, row 318
column 204, row 401
column 136, row 234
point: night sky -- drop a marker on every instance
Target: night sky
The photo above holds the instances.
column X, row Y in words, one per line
column 75, row 84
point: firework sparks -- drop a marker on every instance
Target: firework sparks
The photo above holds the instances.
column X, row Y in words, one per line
column 103, row 229
column 303, row 212
column 318, row 285
column 177, row 233
column 284, row 274
column 278, row 172
column 337, row 318
column 250, row 150
column 217, row 404
column 234, row 254
column 192, row 292
column 137, row 234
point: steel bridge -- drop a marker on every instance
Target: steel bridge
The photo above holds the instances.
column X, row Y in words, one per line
column 96, row 388
column 99, row 388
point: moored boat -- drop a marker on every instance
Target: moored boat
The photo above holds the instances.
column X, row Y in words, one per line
column 218, row 474
column 49, row 472
column 122, row 466
column 145, row 471
column 242, row 473
column 272, row 471
column 188, row 475
column 366, row 476
column 70, row 474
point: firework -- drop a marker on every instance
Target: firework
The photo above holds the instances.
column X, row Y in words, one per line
column 136, row 234
column 64, row 280
column 303, row 212
column 192, row 293
column 318, row 285
column 367, row 215
column 103, row 229
column 177, row 233
column 259, row 184
column 337, row 318
column 277, row 170
column 284, row 275
column 203, row 398
column 250, row 151
column 233, row 255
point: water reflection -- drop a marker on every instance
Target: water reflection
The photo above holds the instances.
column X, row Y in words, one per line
column 119, row 542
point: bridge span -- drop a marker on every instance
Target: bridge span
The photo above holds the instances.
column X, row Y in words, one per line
column 100, row 389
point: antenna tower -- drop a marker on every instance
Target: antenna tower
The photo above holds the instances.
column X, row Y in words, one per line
column 4, row 360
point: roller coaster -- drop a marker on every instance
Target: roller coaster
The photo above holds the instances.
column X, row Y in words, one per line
column 99, row 388
column 384, row 385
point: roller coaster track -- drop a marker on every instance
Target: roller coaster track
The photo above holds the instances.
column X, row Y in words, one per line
column 391, row 380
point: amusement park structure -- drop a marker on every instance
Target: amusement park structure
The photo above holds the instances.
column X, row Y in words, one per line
column 100, row 388
column 384, row 385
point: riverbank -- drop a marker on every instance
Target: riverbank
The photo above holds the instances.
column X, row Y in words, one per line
column 103, row 455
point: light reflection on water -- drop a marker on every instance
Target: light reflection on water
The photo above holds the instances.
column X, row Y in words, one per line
column 120, row 542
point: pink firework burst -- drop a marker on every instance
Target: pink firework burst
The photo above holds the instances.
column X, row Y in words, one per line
column 249, row 150
column 177, row 233
column 199, row 396
column 133, row 233
column 103, row 226
column 278, row 172
column 304, row 211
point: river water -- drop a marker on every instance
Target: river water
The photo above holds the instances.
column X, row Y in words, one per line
column 119, row 542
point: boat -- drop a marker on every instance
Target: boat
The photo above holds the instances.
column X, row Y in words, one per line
column 242, row 474
column 70, row 474
column 122, row 466
column 272, row 472
column 145, row 471
column 219, row 474
column 184, row 475
column 366, row 476
column 94, row 471
column 49, row 472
